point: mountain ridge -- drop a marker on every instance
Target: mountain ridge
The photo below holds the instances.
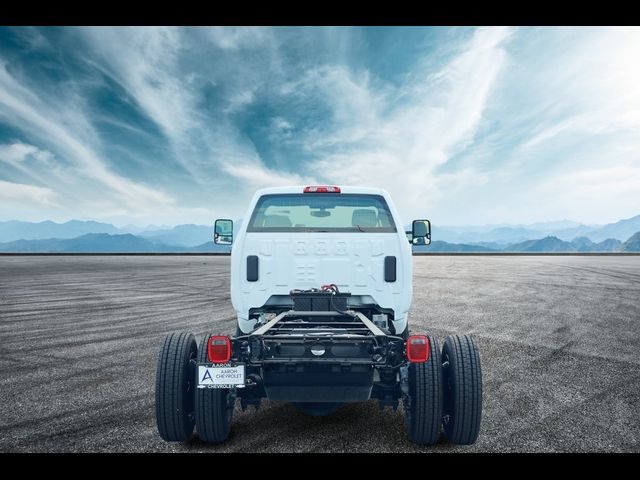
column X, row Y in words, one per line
column 193, row 237
column 129, row 243
column 103, row 243
column 566, row 230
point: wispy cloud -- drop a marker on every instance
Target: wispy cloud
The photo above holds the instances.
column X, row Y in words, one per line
column 375, row 136
column 19, row 192
column 55, row 123
column 17, row 154
column 464, row 125
column 258, row 176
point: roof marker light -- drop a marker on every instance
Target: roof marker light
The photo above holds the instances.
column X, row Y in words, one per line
column 321, row 189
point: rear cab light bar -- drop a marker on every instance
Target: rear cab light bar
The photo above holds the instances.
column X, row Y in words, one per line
column 321, row 189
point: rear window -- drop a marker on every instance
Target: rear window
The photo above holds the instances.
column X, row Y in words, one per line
column 321, row 212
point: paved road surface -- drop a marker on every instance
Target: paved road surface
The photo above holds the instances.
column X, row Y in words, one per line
column 559, row 339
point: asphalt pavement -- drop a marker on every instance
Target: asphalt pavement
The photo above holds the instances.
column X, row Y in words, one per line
column 559, row 338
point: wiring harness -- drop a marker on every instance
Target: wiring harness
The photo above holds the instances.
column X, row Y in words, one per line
column 330, row 288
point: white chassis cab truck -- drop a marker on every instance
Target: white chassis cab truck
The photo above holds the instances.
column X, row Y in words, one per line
column 321, row 281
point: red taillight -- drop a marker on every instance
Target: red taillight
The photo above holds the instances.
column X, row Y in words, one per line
column 219, row 349
column 418, row 348
column 321, row 189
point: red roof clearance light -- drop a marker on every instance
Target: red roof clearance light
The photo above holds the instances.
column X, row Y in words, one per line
column 321, row 189
column 219, row 349
column 418, row 348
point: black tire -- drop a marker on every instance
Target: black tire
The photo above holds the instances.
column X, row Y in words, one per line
column 317, row 409
column 175, row 386
column 462, row 377
column 423, row 407
column 214, row 407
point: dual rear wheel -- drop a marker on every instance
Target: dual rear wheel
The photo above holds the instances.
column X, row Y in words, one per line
column 445, row 391
column 180, row 405
column 175, row 385
column 214, row 407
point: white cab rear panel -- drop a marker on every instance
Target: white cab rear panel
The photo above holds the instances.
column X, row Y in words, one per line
column 354, row 261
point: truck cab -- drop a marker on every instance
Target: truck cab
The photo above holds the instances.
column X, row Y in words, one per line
column 302, row 237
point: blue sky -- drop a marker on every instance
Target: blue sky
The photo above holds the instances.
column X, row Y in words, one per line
column 462, row 125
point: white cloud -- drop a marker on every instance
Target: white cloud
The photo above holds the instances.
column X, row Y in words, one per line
column 17, row 153
column 254, row 175
column 56, row 123
column 144, row 61
column 356, row 107
column 233, row 38
column 570, row 128
column 281, row 124
column 549, row 132
column 19, row 192
column 399, row 146
column 282, row 130
column 239, row 100
column 592, row 194
column 471, row 131
column 165, row 71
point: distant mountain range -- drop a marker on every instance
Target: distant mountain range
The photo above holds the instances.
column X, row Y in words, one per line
column 632, row 244
column 16, row 230
column 104, row 243
column 180, row 235
column 440, row 246
column 96, row 237
column 504, row 235
column 547, row 244
column 187, row 235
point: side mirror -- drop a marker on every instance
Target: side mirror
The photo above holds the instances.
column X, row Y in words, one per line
column 421, row 232
column 223, row 232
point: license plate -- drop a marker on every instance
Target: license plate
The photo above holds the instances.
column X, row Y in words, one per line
column 220, row 376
